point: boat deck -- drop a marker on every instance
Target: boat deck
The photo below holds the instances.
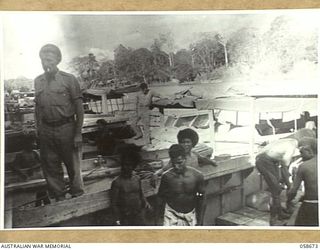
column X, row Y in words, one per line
column 248, row 216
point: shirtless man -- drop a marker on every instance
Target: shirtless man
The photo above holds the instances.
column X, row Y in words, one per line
column 273, row 162
column 181, row 193
column 27, row 162
column 127, row 199
column 307, row 172
column 188, row 139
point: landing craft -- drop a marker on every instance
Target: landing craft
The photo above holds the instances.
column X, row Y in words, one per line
column 231, row 130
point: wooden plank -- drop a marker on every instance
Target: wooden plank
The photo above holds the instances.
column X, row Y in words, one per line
column 24, row 185
column 91, row 129
column 110, row 162
column 86, row 175
column 250, row 212
column 96, row 197
column 230, row 218
column 245, row 217
column 226, row 167
column 252, row 183
column 61, row 211
column 232, row 200
column 262, row 222
column 212, row 210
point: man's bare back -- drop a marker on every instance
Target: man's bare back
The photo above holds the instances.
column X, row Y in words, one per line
column 307, row 173
column 281, row 150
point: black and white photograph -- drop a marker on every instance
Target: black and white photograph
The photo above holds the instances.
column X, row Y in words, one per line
column 166, row 120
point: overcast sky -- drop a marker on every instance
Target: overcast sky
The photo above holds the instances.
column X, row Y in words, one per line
column 78, row 35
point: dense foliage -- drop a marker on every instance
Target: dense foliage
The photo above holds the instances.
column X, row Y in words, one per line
column 248, row 52
column 286, row 48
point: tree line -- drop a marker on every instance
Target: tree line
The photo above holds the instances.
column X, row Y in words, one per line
column 212, row 55
column 247, row 49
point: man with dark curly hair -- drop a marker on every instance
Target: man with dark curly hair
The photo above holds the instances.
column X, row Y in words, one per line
column 188, row 139
column 181, row 194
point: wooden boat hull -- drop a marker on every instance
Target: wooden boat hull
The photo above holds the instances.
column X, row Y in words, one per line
column 226, row 191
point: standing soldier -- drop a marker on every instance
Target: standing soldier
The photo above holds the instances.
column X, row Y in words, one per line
column 59, row 119
column 144, row 103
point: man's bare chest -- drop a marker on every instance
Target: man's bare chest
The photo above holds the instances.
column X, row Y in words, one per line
column 183, row 184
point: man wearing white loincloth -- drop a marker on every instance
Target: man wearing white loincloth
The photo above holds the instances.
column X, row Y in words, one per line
column 181, row 193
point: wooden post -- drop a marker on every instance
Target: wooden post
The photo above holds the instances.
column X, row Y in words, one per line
column 252, row 125
column 237, row 118
column 118, row 107
column 104, row 104
column 212, row 133
column 8, row 212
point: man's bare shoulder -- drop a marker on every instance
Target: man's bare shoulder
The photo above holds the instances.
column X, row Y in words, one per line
column 194, row 170
column 168, row 172
column 284, row 141
column 307, row 165
column 281, row 144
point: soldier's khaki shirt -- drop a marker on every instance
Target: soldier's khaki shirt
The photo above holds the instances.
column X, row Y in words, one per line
column 55, row 99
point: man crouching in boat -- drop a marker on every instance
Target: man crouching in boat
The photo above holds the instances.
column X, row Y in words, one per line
column 181, row 193
column 273, row 162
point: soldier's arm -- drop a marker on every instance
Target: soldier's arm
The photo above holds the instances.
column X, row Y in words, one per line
column 77, row 98
column 163, row 169
column 285, row 163
column 37, row 113
column 79, row 112
column 79, row 115
column 206, row 161
column 296, row 184
column 37, row 117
